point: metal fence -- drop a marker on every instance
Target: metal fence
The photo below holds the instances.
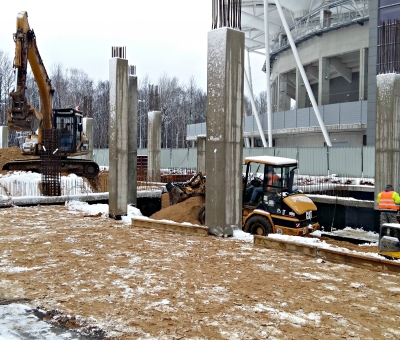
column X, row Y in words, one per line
column 319, row 161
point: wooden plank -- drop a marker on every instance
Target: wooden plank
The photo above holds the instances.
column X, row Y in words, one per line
column 169, row 226
column 337, row 256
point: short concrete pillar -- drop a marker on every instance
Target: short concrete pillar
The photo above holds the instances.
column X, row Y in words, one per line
column 3, row 137
column 118, row 138
column 88, row 131
column 224, row 141
column 201, row 154
column 154, row 146
column 387, row 141
column 132, row 137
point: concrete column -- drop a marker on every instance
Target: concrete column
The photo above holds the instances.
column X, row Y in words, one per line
column 273, row 95
column 323, row 81
column 387, row 141
column 201, row 154
column 154, row 146
column 3, row 137
column 363, row 88
column 118, row 138
column 283, row 97
column 88, row 131
column 301, row 92
column 132, row 136
column 224, row 141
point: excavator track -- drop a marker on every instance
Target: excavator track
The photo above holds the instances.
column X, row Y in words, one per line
column 79, row 167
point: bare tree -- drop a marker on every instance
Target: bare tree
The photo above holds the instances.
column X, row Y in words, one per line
column 6, row 83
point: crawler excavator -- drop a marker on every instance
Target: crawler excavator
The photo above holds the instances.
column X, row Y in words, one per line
column 65, row 125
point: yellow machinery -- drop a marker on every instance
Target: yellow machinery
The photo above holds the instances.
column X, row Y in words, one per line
column 389, row 240
column 280, row 207
column 22, row 116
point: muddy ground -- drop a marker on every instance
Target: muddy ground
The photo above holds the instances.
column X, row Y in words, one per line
column 108, row 279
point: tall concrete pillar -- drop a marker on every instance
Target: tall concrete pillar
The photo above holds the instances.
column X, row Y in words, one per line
column 301, row 92
column 118, row 138
column 154, row 146
column 88, row 131
column 323, row 81
column 387, row 141
column 363, row 84
column 132, row 135
column 201, row 154
column 3, row 137
column 224, row 141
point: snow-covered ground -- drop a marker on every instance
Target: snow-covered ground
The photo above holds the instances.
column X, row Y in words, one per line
column 17, row 321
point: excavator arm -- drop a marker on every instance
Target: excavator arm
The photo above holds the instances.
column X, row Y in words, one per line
column 22, row 116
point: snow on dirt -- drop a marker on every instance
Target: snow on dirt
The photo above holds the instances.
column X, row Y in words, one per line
column 72, row 266
column 77, row 268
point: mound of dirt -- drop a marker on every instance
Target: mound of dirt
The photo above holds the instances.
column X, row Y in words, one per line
column 10, row 154
column 185, row 211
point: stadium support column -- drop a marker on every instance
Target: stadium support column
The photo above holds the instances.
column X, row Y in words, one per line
column 132, row 135
column 201, row 154
column 88, row 131
column 323, row 81
column 387, row 142
column 118, row 134
column 283, row 98
column 300, row 91
column 363, row 89
column 3, row 137
column 154, row 147
column 224, row 140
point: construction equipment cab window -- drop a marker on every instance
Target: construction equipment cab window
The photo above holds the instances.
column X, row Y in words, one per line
column 266, row 184
column 66, row 136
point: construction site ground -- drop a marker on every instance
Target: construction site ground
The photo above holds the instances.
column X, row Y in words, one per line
column 108, row 279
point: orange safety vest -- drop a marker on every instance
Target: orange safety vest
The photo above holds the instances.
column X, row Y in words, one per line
column 271, row 179
column 386, row 201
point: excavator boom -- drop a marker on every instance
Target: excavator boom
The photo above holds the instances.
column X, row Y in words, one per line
column 22, row 116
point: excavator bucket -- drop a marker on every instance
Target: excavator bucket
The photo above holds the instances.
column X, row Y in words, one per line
column 23, row 117
column 179, row 192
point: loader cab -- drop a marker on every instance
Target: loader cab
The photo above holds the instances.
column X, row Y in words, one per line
column 69, row 123
column 276, row 181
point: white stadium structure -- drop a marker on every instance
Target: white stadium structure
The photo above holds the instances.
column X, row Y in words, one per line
column 323, row 58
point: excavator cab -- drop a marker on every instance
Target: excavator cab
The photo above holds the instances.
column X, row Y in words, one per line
column 69, row 124
column 279, row 207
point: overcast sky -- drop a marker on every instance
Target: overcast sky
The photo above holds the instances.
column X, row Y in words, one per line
column 161, row 36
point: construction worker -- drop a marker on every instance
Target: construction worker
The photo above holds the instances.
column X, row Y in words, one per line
column 388, row 201
column 269, row 179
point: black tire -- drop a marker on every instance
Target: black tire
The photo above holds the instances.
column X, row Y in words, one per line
column 201, row 216
column 258, row 225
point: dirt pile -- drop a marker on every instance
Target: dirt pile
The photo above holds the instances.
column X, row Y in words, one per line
column 10, row 154
column 185, row 211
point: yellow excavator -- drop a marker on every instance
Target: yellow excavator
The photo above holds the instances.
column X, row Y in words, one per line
column 69, row 139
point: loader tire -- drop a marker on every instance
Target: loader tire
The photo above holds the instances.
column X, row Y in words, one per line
column 201, row 216
column 258, row 225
